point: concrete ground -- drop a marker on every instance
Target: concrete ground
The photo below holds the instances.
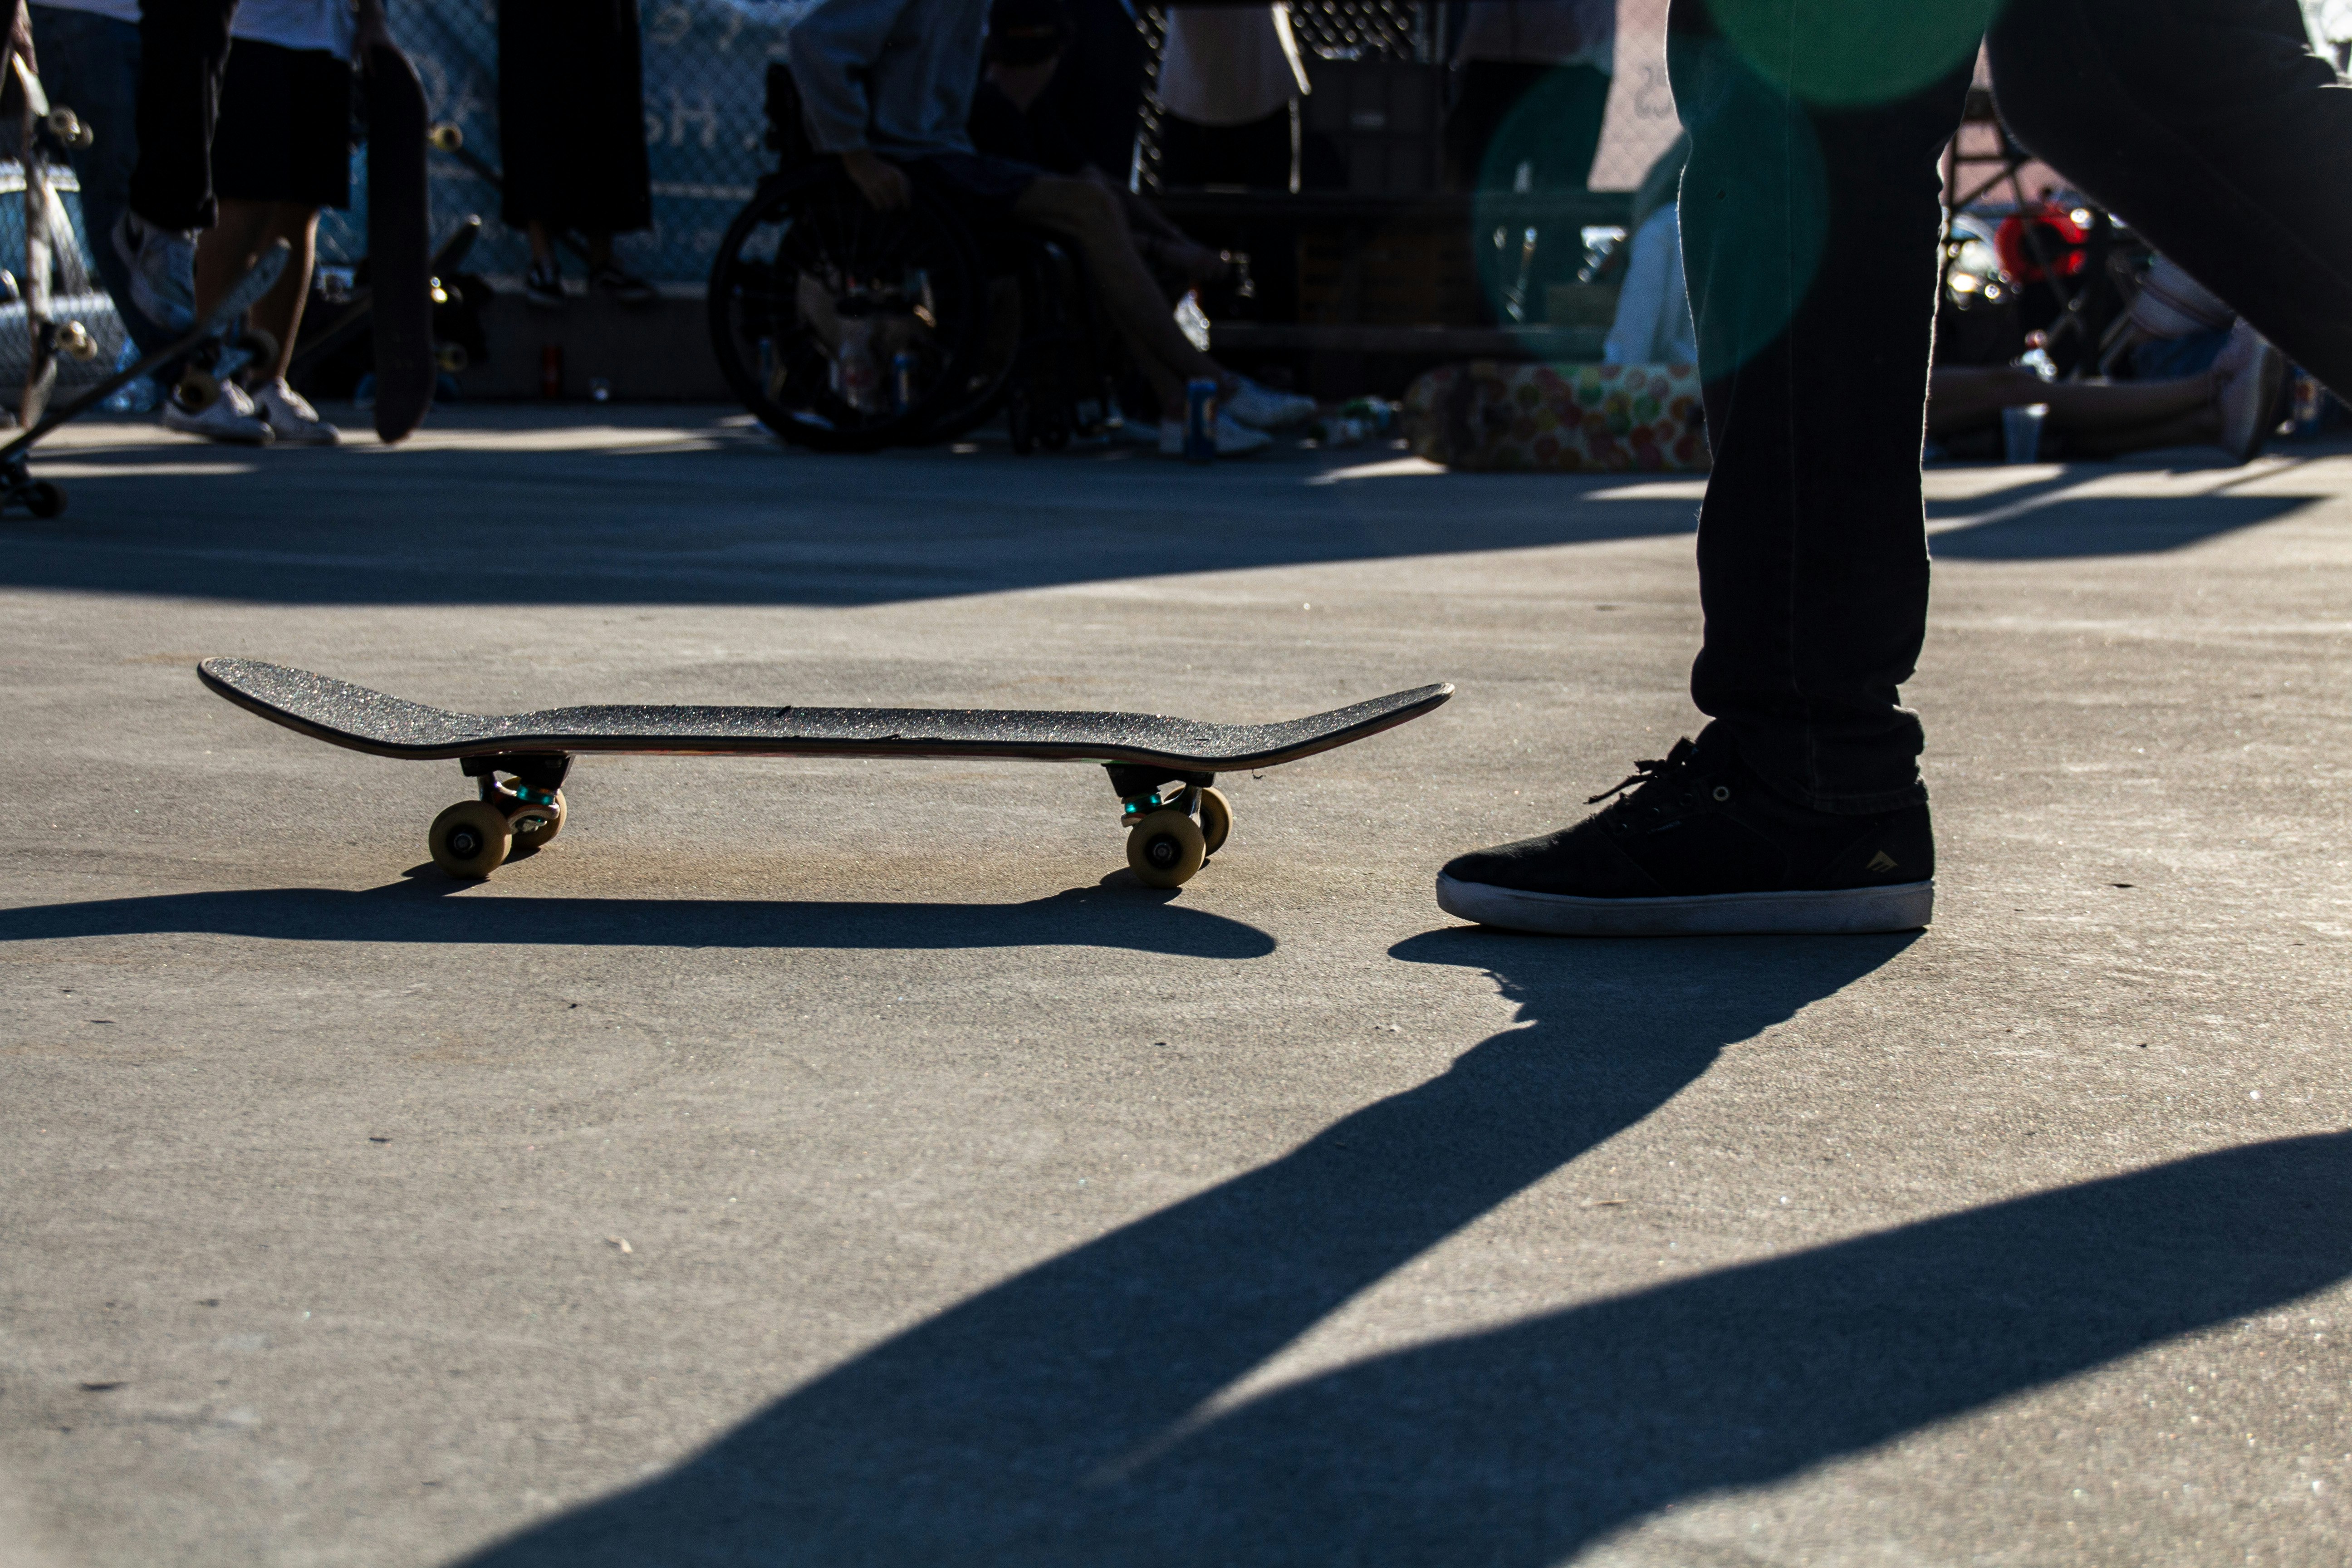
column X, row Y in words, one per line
column 823, row 1162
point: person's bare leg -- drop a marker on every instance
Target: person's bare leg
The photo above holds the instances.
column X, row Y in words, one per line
column 2087, row 407
column 1085, row 213
column 224, row 250
column 1964, row 397
column 279, row 311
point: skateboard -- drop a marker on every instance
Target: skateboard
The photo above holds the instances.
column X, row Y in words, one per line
column 399, row 269
column 47, row 228
column 1162, row 769
column 197, row 388
column 360, row 314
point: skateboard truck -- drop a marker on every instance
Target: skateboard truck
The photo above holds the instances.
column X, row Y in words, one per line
column 474, row 837
column 1165, row 844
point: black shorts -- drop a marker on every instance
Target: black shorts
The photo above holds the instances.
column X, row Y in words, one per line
column 983, row 185
column 284, row 132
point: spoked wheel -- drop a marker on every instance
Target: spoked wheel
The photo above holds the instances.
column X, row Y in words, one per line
column 844, row 327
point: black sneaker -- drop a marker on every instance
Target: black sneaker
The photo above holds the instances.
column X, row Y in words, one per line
column 543, row 287
column 1697, row 844
column 622, row 287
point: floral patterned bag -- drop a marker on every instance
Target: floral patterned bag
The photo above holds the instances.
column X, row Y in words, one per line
column 1566, row 419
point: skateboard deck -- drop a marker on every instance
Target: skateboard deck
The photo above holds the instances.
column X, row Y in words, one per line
column 1171, row 831
column 399, row 268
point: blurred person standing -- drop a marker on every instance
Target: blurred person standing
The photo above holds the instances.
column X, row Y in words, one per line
column 572, row 127
column 90, row 62
column 1531, row 90
column 280, row 151
column 1231, row 78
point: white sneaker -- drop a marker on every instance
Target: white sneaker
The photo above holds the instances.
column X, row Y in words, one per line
column 290, row 417
column 1234, row 439
column 163, row 270
column 1263, row 408
column 2252, row 391
column 229, row 417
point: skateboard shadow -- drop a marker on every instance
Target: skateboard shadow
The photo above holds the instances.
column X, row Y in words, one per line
column 1065, row 1415
column 421, row 910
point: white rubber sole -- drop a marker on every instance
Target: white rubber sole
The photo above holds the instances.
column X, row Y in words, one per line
column 1839, row 912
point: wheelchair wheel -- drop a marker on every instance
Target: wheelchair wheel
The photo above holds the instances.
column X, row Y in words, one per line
column 842, row 328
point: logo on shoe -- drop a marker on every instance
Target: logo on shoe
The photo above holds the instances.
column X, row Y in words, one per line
column 1882, row 861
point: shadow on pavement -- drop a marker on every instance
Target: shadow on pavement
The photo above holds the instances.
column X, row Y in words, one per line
column 2080, row 526
column 573, row 528
column 1059, row 1417
column 422, row 910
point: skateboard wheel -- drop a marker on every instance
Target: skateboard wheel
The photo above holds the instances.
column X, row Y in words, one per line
column 445, row 137
column 198, row 390
column 43, row 498
column 1165, row 848
column 470, row 839
column 535, row 827
column 1216, row 819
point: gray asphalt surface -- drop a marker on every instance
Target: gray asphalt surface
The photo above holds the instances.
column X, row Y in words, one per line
column 809, row 1162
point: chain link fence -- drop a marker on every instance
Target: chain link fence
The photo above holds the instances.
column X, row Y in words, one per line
column 705, row 67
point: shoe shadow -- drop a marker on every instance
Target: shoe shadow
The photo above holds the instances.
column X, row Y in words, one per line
column 1056, row 1418
column 421, row 910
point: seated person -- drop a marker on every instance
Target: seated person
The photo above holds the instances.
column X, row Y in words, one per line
column 887, row 85
column 1013, row 117
column 2234, row 404
column 1652, row 325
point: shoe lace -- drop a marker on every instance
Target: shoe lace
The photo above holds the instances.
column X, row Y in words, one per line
column 1649, row 771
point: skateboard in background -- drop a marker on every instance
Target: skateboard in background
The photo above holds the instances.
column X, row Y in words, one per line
column 195, row 351
column 1163, row 769
column 46, row 227
column 400, row 265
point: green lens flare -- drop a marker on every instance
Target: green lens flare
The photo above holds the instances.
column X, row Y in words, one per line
column 1853, row 52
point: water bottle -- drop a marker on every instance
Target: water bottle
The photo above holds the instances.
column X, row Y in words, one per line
column 1200, row 421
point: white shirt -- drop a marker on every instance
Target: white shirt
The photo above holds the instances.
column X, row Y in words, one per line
column 326, row 24
column 1229, row 65
column 1653, row 318
column 121, row 10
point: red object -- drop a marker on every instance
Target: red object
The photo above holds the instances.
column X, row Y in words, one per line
column 2061, row 240
column 551, row 371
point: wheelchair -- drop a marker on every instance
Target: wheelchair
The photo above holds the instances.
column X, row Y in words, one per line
column 844, row 329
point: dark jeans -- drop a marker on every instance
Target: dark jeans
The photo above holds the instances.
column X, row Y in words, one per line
column 90, row 63
column 183, row 49
column 1809, row 215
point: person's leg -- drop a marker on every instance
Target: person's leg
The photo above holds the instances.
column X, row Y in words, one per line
column 1809, row 229
column 2211, row 124
column 1090, row 217
column 182, row 52
column 90, row 63
column 1964, row 397
column 228, row 247
column 279, row 311
column 1809, row 214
